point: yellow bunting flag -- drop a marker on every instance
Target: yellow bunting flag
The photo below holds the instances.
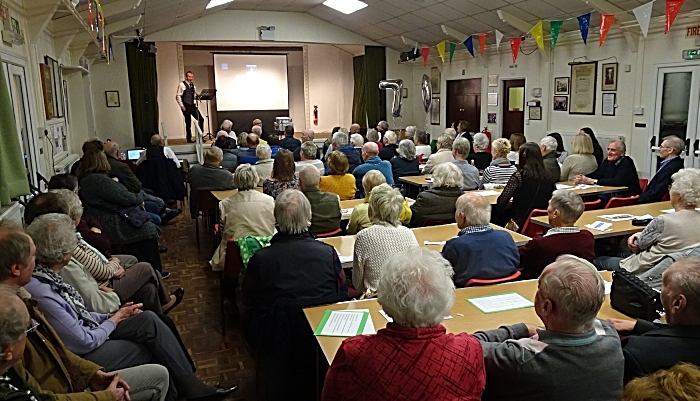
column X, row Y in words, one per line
column 441, row 50
column 538, row 35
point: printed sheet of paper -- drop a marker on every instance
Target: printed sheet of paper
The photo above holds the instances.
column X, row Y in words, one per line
column 585, row 186
column 345, row 259
column 346, row 211
column 563, row 186
column 346, row 323
column 600, row 226
column 608, row 286
column 501, row 302
column 618, row 217
column 487, row 193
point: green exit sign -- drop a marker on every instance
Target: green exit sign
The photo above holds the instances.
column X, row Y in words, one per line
column 691, row 54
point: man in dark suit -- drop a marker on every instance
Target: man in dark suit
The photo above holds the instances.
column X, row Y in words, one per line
column 649, row 346
column 669, row 151
column 617, row 170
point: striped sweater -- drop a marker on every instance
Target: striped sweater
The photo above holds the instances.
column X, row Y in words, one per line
column 98, row 266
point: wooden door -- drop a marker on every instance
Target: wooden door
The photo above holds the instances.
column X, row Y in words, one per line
column 513, row 107
column 464, row 103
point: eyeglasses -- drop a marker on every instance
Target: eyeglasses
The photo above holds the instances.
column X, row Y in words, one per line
column 33, row 328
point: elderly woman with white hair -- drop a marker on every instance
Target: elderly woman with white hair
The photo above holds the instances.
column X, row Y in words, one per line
column 390, row 146
column 373, row 136
column 359, row 219
column 405, row 163
column 480, row 158
column 385, row 237
column 227, row 126
column 443, row 154
column 501, row 169
column 245, row 213
column 413, row 355
column 548, row 147
column 411, row 132
column 264, row 164
column 667, row 233
column 437, row 204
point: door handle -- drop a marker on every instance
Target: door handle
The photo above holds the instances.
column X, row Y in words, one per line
column 696, row 145
column 652, row 143
column 687, row 146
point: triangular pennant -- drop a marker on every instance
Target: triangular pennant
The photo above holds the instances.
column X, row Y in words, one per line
column 425, row 51
column 441, row 50
column 584, row 21
column 673, row 7
column 606, row 21
column 643, row 15
column 482, row 43
column 469, row 44
column 515, row 47
column 555, row 27
column 453, row 46
column 538, row 35
column 499, row 38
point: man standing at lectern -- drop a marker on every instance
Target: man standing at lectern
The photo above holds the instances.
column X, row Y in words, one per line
column 186, row 95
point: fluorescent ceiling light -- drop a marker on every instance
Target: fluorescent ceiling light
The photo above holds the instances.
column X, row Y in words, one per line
column 216, row 3
column 345, row 6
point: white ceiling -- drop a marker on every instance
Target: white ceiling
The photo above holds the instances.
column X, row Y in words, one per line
column 384, row 21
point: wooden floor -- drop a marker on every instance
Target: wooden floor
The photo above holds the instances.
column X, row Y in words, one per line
column 198, row 318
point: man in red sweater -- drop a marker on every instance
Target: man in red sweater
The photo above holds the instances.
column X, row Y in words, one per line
column 564, row 237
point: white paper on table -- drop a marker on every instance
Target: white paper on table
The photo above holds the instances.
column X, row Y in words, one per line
column 345, row 259
column 434, row 242
column 346, row 323
column 346, row 211
column 501, row 302
column 645, row 217
column 608, row 287
column 563, row 186
column 369, row 326
column 618, row 217
column 584, row 186
column 672, row 210
column 389, row 319
column 488, row 193
column 600, row 226
column 410, row 203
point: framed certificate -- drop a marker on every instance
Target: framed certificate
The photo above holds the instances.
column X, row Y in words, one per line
column 583, row 88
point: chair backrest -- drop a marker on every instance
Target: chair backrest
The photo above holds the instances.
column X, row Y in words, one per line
column 531, row 229
column 620, row 202
column 428, row 223
column 233, row 264
column 643, row 182
column 592, row 205
column 330, row 233
column 207, row 204
column 666, row 197
column 474, row 282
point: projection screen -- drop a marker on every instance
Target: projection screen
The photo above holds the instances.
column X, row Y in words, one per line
column 251, row 82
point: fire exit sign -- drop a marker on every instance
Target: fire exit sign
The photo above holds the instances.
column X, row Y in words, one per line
column 692, row 31
column 691, row 54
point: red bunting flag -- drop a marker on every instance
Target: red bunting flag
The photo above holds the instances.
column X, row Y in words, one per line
column 425, row 51
column 515, row 47
column 482, row 43
column 673, row 7
column 606, row 21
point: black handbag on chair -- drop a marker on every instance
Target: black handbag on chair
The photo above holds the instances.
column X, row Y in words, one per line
column 633, row 297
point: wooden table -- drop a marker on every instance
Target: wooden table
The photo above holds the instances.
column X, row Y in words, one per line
column 618, row 228
column 346, row 243
column 466, row 317
column 418, row 180
column 221, row 195
column 350, row 204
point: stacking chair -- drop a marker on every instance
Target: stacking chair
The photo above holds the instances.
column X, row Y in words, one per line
column 474, row 282
column 208, row 210
column 592, row 205
column 531, row 229
column 233, row 266
column 333, row 233
column 620, row 202
column 643, row 182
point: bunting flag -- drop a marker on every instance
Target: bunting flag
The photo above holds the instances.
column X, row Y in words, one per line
column 453, row 46
column 643, row 15
column 538, row 35
column 555, row 27
column 469, row 44
column 482, row 43
column 673, row 7
column 425, row 51
column 584, row 21
column 499, row 38
column 515, row 47
column 606, row 21
column 441, row 50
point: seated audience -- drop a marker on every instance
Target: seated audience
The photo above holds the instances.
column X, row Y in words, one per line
column 516, row 141
column 128, row 337
column 372, row 162
column 90, row 144
column 443, row 155
column 245, row 213
column 386, row 236
column 548, row 147
column 411, row 132
column 283, row 176
column 248, row 155
column 617, row 170
column 359, row 219
column 289, row 142
column 575, row 356
column 470, row 174
column 562, row 154
column 227, row 126
column 405, row 163
column 463, row 132
column 227, row 146
column 158, row 150
column 340, row 143
column 307, row 135
column 530, row 188
column 382, row 129
column 314, row 271
column 309, row 152
column 564, row 237
column 667, row 233
column 354, row 129
column 257, row 128
column 356, row 140
column 670, row 151
column 264, row 164
column 479, row 251
column 373, row 136
column 501, row 169
column 325, row 206
column 422, row 146
column 481, row 158
column 648, row 346
column 242, row 148
column 581, row 160
column 390, row 146
column 418, row 357
column 338, row 180
column 438, row 202
column 208, row 177
column 598, row 152
column 678, row 383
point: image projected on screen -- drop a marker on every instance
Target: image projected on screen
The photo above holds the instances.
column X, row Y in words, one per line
column 251, row 82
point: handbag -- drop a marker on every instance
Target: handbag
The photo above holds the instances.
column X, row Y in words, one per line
column 633, row 297
column 136, row 215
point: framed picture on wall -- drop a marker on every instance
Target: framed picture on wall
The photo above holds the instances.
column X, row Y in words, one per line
column 435, row 111
column 583, row 87
column 404, row 93
column 609, row 82
column 561, row 86
column 112, row 98
column 435, row 80
column 57, row 88
column 535, row 112
column 493, row 80
column 491, row 118
column 47, row 89
column 561, row 103
column 609, row 104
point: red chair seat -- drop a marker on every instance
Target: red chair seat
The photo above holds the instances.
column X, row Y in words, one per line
column 330, row 234
column 592, row 205
column 643, row 182
column 531, row 229
column 620, row 202
column 477, row 282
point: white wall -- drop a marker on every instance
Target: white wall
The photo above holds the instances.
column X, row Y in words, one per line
column 331, row 86
column 169, row 75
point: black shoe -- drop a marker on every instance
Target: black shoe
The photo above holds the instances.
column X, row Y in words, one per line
column 169, row 214
column 162, row 249
column 164, row 274
column 219, row 394
column 179, row 295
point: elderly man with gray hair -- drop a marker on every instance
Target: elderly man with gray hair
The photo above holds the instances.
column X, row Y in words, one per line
column 208, row 177
column 460, row 151
column 575, row 357
column 264, row 164
column 373, row 136
column 617, row 170
column 313, row 272
column 307, row 135
column 325, row 206
column 443, row 155
column 308, row 153
column 548, row 147
column 370, row 154
column 356, row 140
column 416, row 291
column 565, row 208
column 479, row 251
column 390, row 148
column 670, row 151
column 340, row 143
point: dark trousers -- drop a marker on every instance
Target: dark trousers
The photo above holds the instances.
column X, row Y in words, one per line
column 191, row 110
column 145, row 251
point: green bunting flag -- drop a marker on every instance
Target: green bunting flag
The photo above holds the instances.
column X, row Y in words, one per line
column 453, row 46
column 555, row 27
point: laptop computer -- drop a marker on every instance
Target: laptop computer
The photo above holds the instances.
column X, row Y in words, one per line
column 134, row 154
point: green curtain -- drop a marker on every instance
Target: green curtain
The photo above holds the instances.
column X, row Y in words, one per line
column 143, row 86
column 359, row 99
column 13, row 172
column 375, row 71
